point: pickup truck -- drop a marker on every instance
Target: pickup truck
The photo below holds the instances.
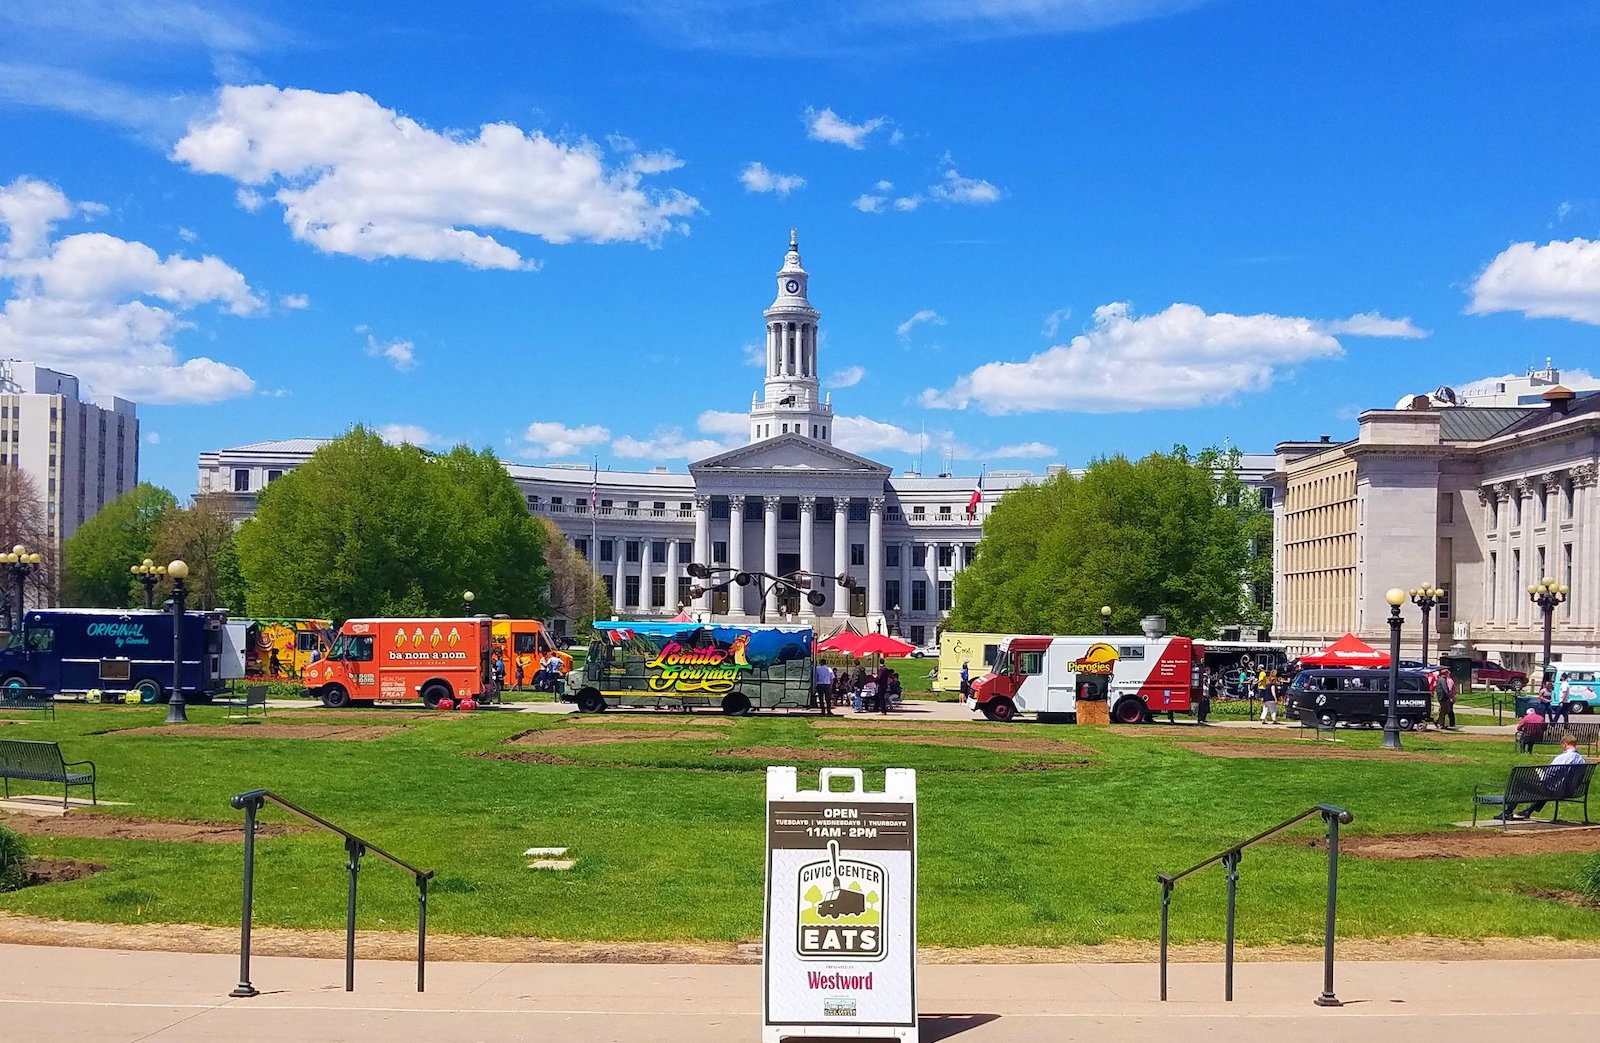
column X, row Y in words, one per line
column 1490, row 674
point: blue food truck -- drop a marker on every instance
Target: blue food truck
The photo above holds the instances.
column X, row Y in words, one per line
column 681, row 666
column 114, row 651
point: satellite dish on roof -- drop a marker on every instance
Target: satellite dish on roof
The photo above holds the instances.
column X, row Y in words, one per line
column 1447, row 395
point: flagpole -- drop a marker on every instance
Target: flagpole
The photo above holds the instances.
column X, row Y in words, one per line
column 594, row 532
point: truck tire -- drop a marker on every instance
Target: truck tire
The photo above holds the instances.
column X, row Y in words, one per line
column 433, row 691
column 149, row 689
column 335, row 697
column 1407, row 724
column 1129, row 711
column 1327, row 719
column 1001, row 709
column 14, row 681
column 591, row 701
column 736, row 704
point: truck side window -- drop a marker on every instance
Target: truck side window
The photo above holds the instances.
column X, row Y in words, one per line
column 305, row 641
column 526, row 643
column 40, row 639
column 1030, row 662
column 359, row 649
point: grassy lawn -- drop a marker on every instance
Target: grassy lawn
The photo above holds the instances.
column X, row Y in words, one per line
column 1040, row 846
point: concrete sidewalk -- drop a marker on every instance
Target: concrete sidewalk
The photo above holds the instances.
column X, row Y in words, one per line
column 102, row 996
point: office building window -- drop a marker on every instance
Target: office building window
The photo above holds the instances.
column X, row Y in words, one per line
column 947, row 555
column 581, row 545
column 1544, row 504
column 719, row 553
column 1566, row 498
column 658, row 591
column 789, row 510
column 685, row 550
column 858, row 511
column 918, row 634
column 919, row 595
column 1566, row 578
column 1516, row 582
column 944, row 513
column 1266, row 499
column 719, row 508
column 891, row 593
column 947, row 595
column 1494, row 581
column 658, row 551
column 684, row 583
column 918, row 511
column 611, row 587
column 630, row 590
column 273, row 476
column 1494, row 512
column 858, row 554
column 241, row 480
column 533, row 502
column 1516, row 508
column 919, row 556
column 891, row 555
column 632, row 551
column 608, row 550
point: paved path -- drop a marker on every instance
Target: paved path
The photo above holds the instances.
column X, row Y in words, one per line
column 102, row 996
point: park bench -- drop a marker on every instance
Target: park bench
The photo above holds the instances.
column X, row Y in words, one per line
column 12, row 698
column 30, row 761
column 254, row 695
column 1529, row 784
column 1586, row 732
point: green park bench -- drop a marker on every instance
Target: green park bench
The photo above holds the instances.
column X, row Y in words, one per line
column 1530, row 784
column 31, row 761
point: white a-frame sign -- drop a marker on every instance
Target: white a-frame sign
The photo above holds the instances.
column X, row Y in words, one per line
column 839, row 956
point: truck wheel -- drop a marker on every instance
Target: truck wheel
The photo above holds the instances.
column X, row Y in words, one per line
column 591, row 701
column 432, row 692
column 1000, row 710
column 334, row 697
column 1407, row 724
column 14, row 681
column 1326, row 719
column 149, row 690
column 735, row 704
column 1129, row 711
column 1578, row 708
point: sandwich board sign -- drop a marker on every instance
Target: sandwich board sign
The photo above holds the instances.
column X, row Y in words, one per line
column 839, row 952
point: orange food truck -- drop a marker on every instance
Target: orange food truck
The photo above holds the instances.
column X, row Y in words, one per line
column 525, row 643
column 397, row 660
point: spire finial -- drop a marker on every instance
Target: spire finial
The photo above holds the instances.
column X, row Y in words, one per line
column 794, row 239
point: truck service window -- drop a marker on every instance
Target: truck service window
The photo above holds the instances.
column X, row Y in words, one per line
column 40, row 639
column 359, row 649
column 1030, row 662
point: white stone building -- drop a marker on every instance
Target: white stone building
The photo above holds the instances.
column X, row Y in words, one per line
column 788, row 501
column 81, row 454
column 1482, row 501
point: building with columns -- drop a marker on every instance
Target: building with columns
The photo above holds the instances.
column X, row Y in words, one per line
column 1481, row 501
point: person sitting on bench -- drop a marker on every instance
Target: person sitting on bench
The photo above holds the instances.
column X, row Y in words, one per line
column 1552, row 777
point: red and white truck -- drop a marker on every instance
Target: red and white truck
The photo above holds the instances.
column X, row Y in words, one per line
column 1136, row 676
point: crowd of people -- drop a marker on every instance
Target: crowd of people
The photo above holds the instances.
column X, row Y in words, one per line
column 545, row 673
column 875, row 690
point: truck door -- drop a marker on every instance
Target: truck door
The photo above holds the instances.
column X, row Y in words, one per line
column 359, row 668
column 1028, row 671
column 43, row 658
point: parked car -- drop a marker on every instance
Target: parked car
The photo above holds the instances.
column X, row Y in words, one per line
column 1490, row 674
column 1359, row 696
column 925, row 652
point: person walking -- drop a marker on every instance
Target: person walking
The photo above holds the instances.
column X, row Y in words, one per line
column 1203, row 702
column 1269, row 699
column 1560, row 712
column 822, row 687
column 1446, row 690
column 966, row 680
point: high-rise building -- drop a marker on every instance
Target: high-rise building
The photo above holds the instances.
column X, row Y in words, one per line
column 81, row 454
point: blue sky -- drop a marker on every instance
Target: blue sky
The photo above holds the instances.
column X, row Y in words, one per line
column 1038, row 230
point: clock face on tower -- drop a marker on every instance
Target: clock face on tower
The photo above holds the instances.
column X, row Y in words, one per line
column 792, row 286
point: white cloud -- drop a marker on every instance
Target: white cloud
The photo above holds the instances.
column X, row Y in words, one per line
column 906, row 204
column 826, row 125
column 294, row 301
column 869, row 204
column 732, row 428
column 546, row 439
column 757, row 178
column 1178, row 358
column 249, row 199
column 754, row 355
column 107, row 309
column 1559, row 280
column 884, row 186
column 1023, row 451
column 407, row 434
column 964, row 190
column 402, row 354
column 864, row 435
column 1053, row 321
column 926, row 315
column 188, row 235
column 155, row 118
column 152, row 438
column 848, row 377
column 356, row 178
column 1371, row 324
column 666, row 443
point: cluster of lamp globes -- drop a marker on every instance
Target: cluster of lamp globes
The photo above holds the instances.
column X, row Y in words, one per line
column 20, row 555
column 1547, row 589
column 177, row 570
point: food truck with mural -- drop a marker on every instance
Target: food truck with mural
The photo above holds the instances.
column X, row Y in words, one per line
column 523, row 644
column 397, row 660
column 283, row 648
column 1047, row 676
column 682, row 666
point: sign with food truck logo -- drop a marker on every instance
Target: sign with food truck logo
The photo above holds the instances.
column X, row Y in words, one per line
column 677, row 668
column 1100, row 659
column 840, row 945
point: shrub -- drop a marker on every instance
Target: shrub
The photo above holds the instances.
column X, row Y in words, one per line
column 13, row 852
column 1589, row 879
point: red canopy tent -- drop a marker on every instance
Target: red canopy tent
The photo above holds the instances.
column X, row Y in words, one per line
column 844, row 641
column 1349, row 650
column 880, row 645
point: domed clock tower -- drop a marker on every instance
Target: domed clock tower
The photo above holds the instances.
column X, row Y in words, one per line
column 791, row 402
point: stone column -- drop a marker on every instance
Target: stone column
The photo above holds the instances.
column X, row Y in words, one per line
column 875, row 561
column 1585, row 585
column 905, row 581
column 645, row 547
column 808, row 508
column 769, row 557
column 702, row 543
column 841, row 554
column 619, row 592
column 672, row 576
column 736, row 601
column 933, row 580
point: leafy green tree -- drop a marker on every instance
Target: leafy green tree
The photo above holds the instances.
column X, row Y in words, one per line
column 575, row 590
column 22, row 520
column 366, row 528
column 1152, row 536
column 202, row 535
column 99, row 554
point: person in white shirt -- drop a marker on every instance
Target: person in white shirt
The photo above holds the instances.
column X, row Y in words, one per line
column 822, row 688
column 1553, row 777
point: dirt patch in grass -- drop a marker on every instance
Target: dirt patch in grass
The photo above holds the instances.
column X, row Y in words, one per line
column 1464, row 843
column 56, row 870
column 524, row 757
column 134, row 827
column 1302, row 750
column 860, row 722
column 334, row 732
column 298, row 717
column 625, row 718
column 786, row 753
column 1572, row 898
column 594, row 737
column 16, row 929
column 988, row 741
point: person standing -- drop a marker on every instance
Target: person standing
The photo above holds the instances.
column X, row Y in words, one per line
column 822, row 687
column 966, row 680
column 882, row 677
column 1446, row 690
column 1203, row 702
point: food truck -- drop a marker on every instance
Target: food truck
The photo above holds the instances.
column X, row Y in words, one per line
column 1135, row 676
column 114, row 651
column 397, row 660
column 682, row 666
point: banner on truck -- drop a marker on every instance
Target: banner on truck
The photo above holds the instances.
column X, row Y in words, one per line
column 839, row 954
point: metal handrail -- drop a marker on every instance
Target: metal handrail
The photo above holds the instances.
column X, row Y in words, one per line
column 251, row 802
column 1229, row 860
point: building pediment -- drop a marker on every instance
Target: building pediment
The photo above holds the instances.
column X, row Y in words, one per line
column 790, row 453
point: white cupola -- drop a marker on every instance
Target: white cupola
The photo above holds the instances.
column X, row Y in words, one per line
column 790, row 401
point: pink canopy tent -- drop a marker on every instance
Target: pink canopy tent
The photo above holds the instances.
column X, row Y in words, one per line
column 1349, row 650
column 682, row 617
column 844, row 641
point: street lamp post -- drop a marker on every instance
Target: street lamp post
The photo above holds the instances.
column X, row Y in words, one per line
column 148, row 573
column 898, row 631
column 1547, row 594
column 19, row 564
column 1425, row 597
column 1105, row 619
column 793, row 583
column 467, row 598
column 1391, row 726
column 175, row 705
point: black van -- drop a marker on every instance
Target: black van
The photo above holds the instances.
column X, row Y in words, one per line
column 1360, row 695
